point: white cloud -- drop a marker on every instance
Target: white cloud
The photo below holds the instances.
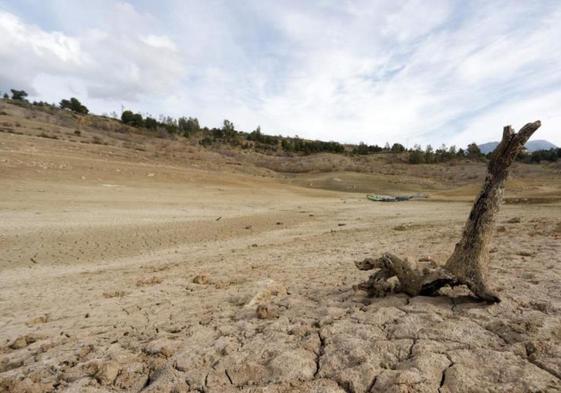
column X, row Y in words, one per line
column 159, row 41
column 409, row 71
column 112, row 63
column 488, row 126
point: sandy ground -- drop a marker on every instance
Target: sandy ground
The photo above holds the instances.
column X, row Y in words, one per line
column 133, row 276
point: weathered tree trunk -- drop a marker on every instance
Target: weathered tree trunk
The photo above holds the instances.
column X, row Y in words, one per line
column 469, row 263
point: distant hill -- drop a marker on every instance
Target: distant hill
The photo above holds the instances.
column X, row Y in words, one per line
column 532, row 146
column 488, row 147
column 539, row 144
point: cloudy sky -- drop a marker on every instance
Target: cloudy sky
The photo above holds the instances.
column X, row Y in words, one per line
column 419, row 71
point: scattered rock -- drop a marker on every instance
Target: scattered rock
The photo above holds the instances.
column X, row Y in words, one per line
column 201, row 279
column 264, row 312
column 23, row 341
column 514, row 220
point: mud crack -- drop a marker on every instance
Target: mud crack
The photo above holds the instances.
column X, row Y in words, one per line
column 228, row 376
column 372, row 384
column 320, row 353
column 443, row 379
column 545, row 368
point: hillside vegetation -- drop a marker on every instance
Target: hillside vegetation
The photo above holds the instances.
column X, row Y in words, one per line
column 359, row 168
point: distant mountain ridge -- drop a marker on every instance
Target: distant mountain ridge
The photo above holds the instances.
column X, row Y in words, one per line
column 539, row 144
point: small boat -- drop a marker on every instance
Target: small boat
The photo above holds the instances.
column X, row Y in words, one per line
column 381, row 198
column 389, row 198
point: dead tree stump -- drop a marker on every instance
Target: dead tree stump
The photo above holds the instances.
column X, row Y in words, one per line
column 469, row 263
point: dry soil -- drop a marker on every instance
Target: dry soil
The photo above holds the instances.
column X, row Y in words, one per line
column 121, row 274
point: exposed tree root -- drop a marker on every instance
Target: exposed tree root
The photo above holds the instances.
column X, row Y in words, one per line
column 469, row 263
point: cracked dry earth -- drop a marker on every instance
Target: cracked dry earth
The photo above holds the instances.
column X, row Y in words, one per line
column 155, row 287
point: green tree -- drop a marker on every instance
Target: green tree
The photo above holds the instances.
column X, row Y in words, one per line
column 429, row 154
column 416, row 157
column 19, row 95
column 132, row 119
column 362, row 149
column 150, row 123
column 228, row 126
column 287, row 145
column 188, row 126
column 397, row 148
column 74, row 105
column 473, row 151
column 228, row 130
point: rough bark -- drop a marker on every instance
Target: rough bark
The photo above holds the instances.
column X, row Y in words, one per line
column 469, row 263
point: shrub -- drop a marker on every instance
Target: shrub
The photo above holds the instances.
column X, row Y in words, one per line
column 206, row 141
column 416, row 157
column 19, row 95
column 132, row 119
column 364, row 149
column 151, row 123
column 188, row 126
column 74, row 105
column 474, row 152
